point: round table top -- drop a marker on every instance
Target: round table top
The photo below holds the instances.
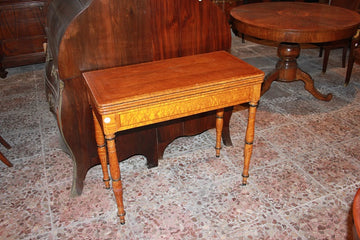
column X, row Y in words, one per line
column 295, row 22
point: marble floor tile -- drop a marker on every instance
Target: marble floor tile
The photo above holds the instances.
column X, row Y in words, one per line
column 332, row 128
column 94, row 202
column 285, row 185
column 322, row 218
column 23, row 144
column 25, row 213
column 291, row 139
column 58, row 167
column 26, row 172
column 331, row 168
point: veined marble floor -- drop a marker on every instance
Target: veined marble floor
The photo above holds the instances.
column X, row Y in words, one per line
column 304, row 172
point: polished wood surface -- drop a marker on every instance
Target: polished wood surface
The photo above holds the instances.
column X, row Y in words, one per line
column 22, row 33
column 296, row 22
column 143, row 94
column 86, row 35
column 292, row 23
column 135, row 86
column 349, row 4
column 356, row 214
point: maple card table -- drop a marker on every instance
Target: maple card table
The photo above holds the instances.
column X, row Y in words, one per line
column 291, row 23
column 142, row 94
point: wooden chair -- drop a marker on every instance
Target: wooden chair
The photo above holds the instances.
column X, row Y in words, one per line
column 2, row 157
column 354, row 56
column 344, row 44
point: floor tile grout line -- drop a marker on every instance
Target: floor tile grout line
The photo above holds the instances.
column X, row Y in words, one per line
column 44, row 169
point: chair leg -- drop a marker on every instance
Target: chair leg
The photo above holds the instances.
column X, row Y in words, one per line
column 2, row 157
column 326, row 59
column 4, row 160
column 3, row 142
column 349, row 70
column 243, row 38
column 344, row 56
column 321, row 51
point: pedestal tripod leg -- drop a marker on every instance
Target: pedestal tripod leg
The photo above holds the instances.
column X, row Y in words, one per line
column 273, row 76
column 287, row 70
column 309, row 85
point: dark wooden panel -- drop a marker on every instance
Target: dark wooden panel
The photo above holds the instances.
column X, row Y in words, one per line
column 22, row 32
column 18, row 46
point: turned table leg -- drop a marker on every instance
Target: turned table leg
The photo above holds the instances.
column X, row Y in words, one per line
column 101, row 148
column 287, row 70
column 249, row 139
column 114, row 165
column 219, row 127
column 115, row 176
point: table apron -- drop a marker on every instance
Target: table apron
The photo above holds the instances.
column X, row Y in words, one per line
column 180, row 107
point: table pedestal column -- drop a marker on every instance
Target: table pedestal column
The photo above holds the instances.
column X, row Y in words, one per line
column 287, row 70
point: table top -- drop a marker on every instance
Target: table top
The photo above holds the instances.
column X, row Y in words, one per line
column 143, row 84
column 142, row 94
column 295, row 22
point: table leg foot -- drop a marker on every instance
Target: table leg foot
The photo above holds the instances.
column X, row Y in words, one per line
column 244, row 180
column 309, row 85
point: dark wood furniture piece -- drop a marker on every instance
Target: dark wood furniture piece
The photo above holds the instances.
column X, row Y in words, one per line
column 227, row 5
column 356, row 215
column 143, row 94
column 85, row 35
column 2, row 157
column 344, row 43
column 291, row 23
column 354, row 56
column 22, row 33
